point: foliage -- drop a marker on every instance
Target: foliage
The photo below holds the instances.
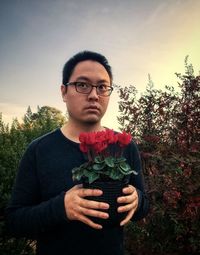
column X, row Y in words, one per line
column 166, row 125
column 45, row 119
column 105, row 161
column 13, row 142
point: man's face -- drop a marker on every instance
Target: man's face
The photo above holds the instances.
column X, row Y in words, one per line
column 86, row 108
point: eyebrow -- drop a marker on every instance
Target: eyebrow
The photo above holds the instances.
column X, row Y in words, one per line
column 88, row 80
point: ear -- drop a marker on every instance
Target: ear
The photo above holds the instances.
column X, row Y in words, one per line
column 63, row 89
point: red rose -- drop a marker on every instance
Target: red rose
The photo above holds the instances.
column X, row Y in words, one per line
column 111, row 136
column 99, row 147
column 124, row 139
column 87, row 138
column 94, row 143
column 100, row 136
column 83, row 147
column 82, row 137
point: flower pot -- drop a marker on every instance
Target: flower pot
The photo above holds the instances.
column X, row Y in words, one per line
column 111, row 191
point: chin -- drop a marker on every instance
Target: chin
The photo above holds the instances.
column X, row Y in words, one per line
column 92, row 121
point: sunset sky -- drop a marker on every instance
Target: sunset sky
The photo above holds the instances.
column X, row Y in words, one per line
column 138, row 38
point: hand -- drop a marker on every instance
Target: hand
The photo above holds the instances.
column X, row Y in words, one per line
column 131, row 201
column 78, row 208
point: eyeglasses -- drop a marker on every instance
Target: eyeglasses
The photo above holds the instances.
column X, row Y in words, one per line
column 86, row 88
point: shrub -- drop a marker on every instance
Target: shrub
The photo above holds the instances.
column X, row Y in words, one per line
column 13, row 142
column 166, row 125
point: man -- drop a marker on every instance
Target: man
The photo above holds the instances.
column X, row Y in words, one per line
column 46, row 204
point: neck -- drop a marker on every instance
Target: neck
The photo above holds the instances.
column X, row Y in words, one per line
column 72, row 130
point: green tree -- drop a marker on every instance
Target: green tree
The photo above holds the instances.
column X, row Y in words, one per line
column 12, row 145
column 13, row 142
column 44, row 120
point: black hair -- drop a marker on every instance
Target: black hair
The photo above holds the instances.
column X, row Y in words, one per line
column 82, row 56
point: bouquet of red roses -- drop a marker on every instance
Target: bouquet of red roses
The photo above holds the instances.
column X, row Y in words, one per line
column 105, row 161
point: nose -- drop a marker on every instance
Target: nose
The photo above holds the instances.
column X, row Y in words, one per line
column 93, row 94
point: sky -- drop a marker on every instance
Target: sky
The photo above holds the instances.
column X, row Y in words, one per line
column 137, row 37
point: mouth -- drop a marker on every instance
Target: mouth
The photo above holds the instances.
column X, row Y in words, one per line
column 95, row 107
column 92, row 108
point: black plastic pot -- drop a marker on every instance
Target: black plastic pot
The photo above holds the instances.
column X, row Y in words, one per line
column 111, row 191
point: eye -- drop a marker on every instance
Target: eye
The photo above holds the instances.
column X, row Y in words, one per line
column 103, row 87
column 82, row 85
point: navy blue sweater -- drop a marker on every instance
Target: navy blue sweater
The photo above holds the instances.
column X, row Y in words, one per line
column 36, row 209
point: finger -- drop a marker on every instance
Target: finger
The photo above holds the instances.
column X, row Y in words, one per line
column 95, row 213
column 89, row 222
column 128, row 190
column 77, row 187
column 90, row 192
column 126, row 199
column 78, row 215
column 93, row 204
column 128, row 217
column 126, row 208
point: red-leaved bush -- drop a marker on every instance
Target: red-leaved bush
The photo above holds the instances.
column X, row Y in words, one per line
column 167, row 127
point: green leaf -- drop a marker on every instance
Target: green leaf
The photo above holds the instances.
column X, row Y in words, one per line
column 122, row 159
column 74, row 170
column 125, row 167
column 134, row 172
column 98, row 167
column 86, row 173
column 115, row 174
column 98, row 160
column 110, row 161
column 77, row 175
column 92, row 177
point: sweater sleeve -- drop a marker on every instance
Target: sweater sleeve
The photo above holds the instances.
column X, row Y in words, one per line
column 138, row 182
column 26, row 215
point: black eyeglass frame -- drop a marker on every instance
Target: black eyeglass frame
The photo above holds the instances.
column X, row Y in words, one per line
column 109, row 90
